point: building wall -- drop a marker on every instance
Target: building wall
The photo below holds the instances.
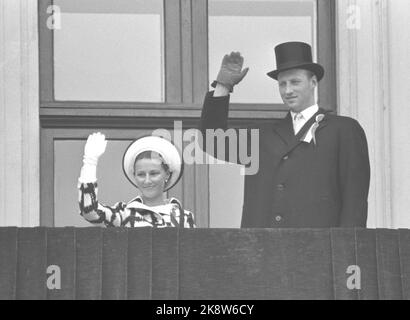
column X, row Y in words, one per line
column 399, row 80
column 19, row 108
column 373, row 75
column 373, row 41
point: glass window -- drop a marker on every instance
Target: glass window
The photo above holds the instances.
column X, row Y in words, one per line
column 112, row 184
column 254, row 28
column 226, row 186
column 109, row 50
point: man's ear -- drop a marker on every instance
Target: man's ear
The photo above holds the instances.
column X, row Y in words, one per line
column 314, row 81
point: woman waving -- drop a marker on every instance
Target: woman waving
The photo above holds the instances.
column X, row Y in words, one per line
column 153, row 165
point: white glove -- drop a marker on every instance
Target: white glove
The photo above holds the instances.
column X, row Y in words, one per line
column 94, row 148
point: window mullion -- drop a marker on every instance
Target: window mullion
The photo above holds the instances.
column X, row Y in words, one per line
column 173, row 76
column 186, row 49
column 46, row 65
column 200, row 49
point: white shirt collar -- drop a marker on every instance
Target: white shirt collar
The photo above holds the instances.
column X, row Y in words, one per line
column 307, row 113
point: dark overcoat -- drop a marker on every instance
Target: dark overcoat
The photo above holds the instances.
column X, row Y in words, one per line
column 300, row 184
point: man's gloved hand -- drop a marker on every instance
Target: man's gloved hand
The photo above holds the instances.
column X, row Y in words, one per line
column 94, row 148
column 231, row 72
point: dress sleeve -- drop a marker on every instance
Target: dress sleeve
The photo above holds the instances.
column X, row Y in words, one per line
column 97, row 213
column 189, row 221
column 176, row 209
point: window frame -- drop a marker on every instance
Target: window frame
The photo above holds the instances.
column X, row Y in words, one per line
column 186, row 82
column 191, row 190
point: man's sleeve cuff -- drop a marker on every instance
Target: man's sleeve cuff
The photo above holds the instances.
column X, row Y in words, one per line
column 214, row 83
column 210, row 95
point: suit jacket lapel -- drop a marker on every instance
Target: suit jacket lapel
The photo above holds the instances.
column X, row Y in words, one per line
column 285, row 130
column 304, row 130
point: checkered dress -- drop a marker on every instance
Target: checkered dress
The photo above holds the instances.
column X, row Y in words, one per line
column 132, row 214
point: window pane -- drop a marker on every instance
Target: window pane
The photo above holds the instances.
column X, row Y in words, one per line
column 226, row 186
column 254, row 28
column 109, row 50
column 113, row 186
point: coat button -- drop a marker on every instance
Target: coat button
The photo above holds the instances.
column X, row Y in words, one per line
column 278, row 218
column 280, row 187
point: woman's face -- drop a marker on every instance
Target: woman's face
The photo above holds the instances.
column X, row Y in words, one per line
column 150, row 177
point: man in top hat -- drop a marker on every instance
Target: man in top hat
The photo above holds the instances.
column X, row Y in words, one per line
column 313, row 166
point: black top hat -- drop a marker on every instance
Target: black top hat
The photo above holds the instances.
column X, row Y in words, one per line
column 295, row 55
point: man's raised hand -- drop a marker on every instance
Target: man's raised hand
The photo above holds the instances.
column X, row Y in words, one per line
column 231, row 72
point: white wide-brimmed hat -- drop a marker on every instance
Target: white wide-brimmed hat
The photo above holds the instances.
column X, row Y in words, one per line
column 165, row 148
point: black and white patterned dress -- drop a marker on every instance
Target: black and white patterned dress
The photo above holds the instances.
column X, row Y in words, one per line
column 132, row 214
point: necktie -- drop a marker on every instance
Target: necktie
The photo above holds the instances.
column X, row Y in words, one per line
column 298, row 122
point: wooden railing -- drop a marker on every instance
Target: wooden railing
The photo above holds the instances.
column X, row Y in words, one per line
column 94, row 263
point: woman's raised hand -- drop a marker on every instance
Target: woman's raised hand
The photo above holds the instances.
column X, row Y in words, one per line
column 94, row 148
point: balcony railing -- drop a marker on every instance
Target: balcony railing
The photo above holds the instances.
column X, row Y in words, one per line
column 145, row 263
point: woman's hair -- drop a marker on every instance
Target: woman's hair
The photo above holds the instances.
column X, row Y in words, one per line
column 152, row 155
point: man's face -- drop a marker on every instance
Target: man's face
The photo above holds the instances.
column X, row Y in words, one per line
column 297, row 89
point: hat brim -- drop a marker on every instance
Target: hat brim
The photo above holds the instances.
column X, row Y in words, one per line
column 316, row 68
column 172, row 157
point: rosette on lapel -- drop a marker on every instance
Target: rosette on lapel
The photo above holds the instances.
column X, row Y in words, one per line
column 318, row 119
